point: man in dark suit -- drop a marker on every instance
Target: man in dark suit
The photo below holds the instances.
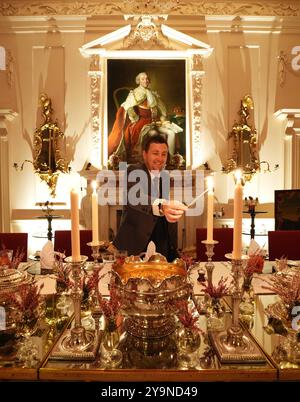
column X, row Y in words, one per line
column 147, row 213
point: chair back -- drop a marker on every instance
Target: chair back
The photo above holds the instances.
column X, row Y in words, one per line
column 15, row 242
column 284, row 243
column 225, row 238
column 62, row 242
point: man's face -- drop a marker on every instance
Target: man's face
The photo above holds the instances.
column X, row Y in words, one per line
column 144, row 80
column 156, row 156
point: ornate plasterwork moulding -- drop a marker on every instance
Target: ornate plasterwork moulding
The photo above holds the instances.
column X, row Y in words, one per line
column 193, row 17
column 292, row 117
column 175, row 7
column 8, row 114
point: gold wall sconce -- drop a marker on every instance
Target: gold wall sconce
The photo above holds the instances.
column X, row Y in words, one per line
column 244, row 154
column 47, row 162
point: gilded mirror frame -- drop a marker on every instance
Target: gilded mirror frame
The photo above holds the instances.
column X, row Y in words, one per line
column 243, row 138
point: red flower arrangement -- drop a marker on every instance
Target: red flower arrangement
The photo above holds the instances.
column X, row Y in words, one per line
column 255, row 264
column 110, row 308
column 26, row 300
column 218, row 291
column 185, row 315
column 62, row 274
column 188, row 260
column 16, row 259
column 120, row 261
column 287, row 287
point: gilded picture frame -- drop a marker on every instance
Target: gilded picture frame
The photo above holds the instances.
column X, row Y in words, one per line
column 168, row 81
column 287, row 209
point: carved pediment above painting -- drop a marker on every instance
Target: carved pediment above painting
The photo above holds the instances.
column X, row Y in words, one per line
column 145, row 34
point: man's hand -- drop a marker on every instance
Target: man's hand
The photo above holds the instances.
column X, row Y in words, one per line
column 173, row 210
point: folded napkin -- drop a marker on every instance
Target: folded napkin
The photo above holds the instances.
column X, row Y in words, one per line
column 255, row 249
column 151, row 249
column 47, row 255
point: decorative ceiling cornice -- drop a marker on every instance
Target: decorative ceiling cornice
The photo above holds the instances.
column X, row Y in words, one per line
column 174, row 7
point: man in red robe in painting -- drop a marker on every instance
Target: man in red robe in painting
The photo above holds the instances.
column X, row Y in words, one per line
column 141, row 112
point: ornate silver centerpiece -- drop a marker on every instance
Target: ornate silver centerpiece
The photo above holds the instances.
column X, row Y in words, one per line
column 11, row 279
column 147, row 291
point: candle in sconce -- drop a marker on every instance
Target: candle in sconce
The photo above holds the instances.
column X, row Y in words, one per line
column 237, row 216
column 95, row 228
column 210, row 208
column 75, row 239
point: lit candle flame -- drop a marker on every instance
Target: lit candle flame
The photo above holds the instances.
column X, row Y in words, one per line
column 238, row 175
column 210, row 183
column 94, row 185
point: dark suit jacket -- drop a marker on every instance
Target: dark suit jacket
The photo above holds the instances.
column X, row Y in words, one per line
column 138, row 221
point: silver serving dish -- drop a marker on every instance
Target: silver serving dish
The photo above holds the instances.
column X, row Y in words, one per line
column 147, row 291
column 11, row 279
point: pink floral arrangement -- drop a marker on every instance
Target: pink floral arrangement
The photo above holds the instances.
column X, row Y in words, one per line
column 93, row 280
column 120, row 260
column 286, row 286
column 189, row 261
column 218, row 291
column 62, row 273
column 26, row 300
column 185, row 314
column 16, row 259
column 110, row 308
column 255, row 264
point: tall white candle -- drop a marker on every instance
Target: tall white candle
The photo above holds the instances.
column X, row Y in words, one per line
column 210, row 208
column 237, row 217
column 95, row 228
column 75, row 239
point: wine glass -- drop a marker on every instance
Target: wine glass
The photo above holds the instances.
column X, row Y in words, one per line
column 111, row 357
column 108, row 258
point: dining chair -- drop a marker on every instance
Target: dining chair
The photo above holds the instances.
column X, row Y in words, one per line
column 284, row 243
column 62, row 242
column 225, row 238
column 15, row 242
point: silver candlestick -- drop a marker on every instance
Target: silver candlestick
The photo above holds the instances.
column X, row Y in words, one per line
column 235, row 332
column 76, row 343
column 234, row 345
column 96, row 310
column 209, row 265
column 95, row 246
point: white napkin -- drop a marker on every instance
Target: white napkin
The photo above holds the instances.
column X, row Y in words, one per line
column 255, row 249
column 47, row 255
column 151, row 249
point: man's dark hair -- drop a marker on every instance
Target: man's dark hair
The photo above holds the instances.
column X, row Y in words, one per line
column 153, row 139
